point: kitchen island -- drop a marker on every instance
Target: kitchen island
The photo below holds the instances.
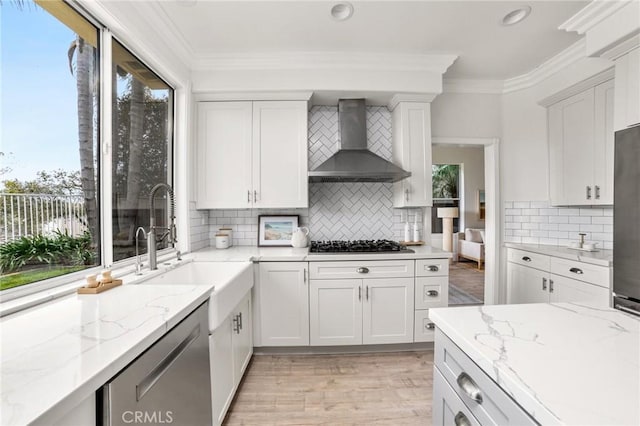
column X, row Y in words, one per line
column 561, row 363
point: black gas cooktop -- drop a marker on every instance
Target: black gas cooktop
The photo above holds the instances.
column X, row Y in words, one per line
column 357, row 246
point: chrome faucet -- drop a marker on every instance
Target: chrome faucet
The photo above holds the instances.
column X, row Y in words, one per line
column 138, row 263
column 170, row 232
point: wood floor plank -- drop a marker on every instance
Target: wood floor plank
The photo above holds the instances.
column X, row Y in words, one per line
column 354, row 389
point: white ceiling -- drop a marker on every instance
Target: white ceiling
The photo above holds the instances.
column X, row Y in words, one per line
column 469, row 29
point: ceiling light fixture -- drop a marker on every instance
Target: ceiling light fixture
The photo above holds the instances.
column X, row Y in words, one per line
column 516, row 16
column 342, row 11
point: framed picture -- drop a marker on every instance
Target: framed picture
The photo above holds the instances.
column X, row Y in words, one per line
column 276, row 231
column 480, row 207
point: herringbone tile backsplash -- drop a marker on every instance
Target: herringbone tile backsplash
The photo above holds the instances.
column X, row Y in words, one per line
column 336, row 210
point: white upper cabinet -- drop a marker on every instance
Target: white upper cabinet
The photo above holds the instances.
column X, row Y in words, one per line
column 627, row 103
column 581, row 148
column 412, row 152
column 252, row 154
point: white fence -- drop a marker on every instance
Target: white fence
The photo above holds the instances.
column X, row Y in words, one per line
column 35, row 214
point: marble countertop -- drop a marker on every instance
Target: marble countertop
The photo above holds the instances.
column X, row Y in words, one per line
column 290, row 254
column 600, row 257
column 55, row 355
column 563, row 363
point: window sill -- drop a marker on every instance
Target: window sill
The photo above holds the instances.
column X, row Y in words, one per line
column 32, row 300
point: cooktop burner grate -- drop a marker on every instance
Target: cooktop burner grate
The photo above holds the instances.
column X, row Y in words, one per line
column 357, row 246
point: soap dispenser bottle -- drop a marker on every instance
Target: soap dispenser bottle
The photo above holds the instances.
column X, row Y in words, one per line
column 407, row 230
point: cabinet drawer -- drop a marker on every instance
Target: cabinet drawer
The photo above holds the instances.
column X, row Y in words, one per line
column 432, row 267
column 361, row 269
column 432, row 292
column 527, row 258
column 424, row 329
column 495, row 407
column 448, row 408
column 597, row 275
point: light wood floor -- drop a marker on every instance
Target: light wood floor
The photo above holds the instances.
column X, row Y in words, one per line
column 467, row 277
column 362, row 389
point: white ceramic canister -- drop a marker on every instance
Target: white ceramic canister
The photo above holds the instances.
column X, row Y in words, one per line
column 228, row 232
column 222, row 241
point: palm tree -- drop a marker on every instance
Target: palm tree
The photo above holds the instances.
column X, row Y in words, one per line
column 445, row 180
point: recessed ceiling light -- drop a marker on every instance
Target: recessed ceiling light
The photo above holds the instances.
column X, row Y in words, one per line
column 342, row 11
column 516, row 16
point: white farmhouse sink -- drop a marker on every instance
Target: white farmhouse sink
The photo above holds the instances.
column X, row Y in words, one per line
column 232, row 281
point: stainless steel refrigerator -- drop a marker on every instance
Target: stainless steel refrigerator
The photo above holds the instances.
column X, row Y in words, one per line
column 626, row 221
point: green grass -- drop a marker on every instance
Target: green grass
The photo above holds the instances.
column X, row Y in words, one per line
column 27, row 277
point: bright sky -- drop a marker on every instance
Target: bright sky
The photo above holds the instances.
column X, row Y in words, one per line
column 37, row 92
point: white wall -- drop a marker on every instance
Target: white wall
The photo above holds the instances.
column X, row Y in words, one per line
column 472, row 159
column 468, row 115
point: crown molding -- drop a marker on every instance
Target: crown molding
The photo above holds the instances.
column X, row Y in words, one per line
column 410, row 97
column 323, row 60
column 592, row 14
column 545, row 70
column 622, row 48
column 252, row 96
column 578, row 88
column 453, row 85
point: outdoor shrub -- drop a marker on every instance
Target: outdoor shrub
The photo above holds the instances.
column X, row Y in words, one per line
column 59, row 249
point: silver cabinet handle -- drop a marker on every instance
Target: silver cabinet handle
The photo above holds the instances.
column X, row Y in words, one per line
column 544, row 284
column 236, row 324
column 432, row 293
column 550, row 286
column 359, row 292
column 469, row 387
column 255, row 196
column 150, row 380
column 239, row 322
column 588, row 192
column 526, row 258
column 429, row 326
column 576, row 271
column 248, row 196
column 433, row 268
column 597, row 192
column 305, row 275
column 367, row 292
column 362, row 270
column 406, row 194
column 461, row 420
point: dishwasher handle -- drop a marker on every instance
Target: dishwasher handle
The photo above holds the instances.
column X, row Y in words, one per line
column 152, row 378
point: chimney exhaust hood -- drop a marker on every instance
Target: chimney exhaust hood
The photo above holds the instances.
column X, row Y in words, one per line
column 354, row 162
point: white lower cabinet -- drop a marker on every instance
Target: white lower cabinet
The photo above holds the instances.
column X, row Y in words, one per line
column 284, row 303
column 432, row 291
column 464, row 395
column 551, row 280
column 230, row 349
column 367, row 311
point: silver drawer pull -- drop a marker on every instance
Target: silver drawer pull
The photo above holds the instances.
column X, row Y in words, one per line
column 576, row 271
column 461, row 420
column 429, row 326
column 362, row 270
column 469, row 387
column 526, row 258
column 432, row 293
column 433, row 268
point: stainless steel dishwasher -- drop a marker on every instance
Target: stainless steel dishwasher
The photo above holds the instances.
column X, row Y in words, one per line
column 169, row 383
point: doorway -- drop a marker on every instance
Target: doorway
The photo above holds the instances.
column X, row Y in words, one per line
column 485, row 281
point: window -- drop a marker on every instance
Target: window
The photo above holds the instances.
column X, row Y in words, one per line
column 446, row 193
column 141, row 149
column 51, row 190
column 49, row 195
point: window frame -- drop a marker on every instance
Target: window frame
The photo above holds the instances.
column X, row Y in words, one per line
column 104, row 151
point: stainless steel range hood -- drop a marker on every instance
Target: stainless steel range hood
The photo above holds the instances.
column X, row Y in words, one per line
column 354, row 162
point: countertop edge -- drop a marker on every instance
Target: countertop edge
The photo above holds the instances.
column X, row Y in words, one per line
column 557, row 251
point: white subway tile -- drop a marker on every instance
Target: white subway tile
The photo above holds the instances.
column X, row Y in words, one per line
column 539, row 204
column 530, row 240
column 244, row 213
column 573, row 227
column 580, row 219
column 549, row 212
column 230, row 213
column 607, row 228
column 530, row 226
column 608, row 211
column 549, row 241
column 521, row 204
column 602, row 220
column 608, row 245
column 508, row 204
column 590, row 228
column 602, row 236
column 216, row 213
column 569, row 212
column 513, row 239
column 540, row 234
column 520, row 219
column 508, row 232
column 521, row 233
column 513, row 212
column 508, row 218
column 559, row 234
column 549, row 226
column 244, row 227
column 540, row 219
column 591, row 212
column 558, row 219
column 531, row 212
column 513, row 226
column 251, row 235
